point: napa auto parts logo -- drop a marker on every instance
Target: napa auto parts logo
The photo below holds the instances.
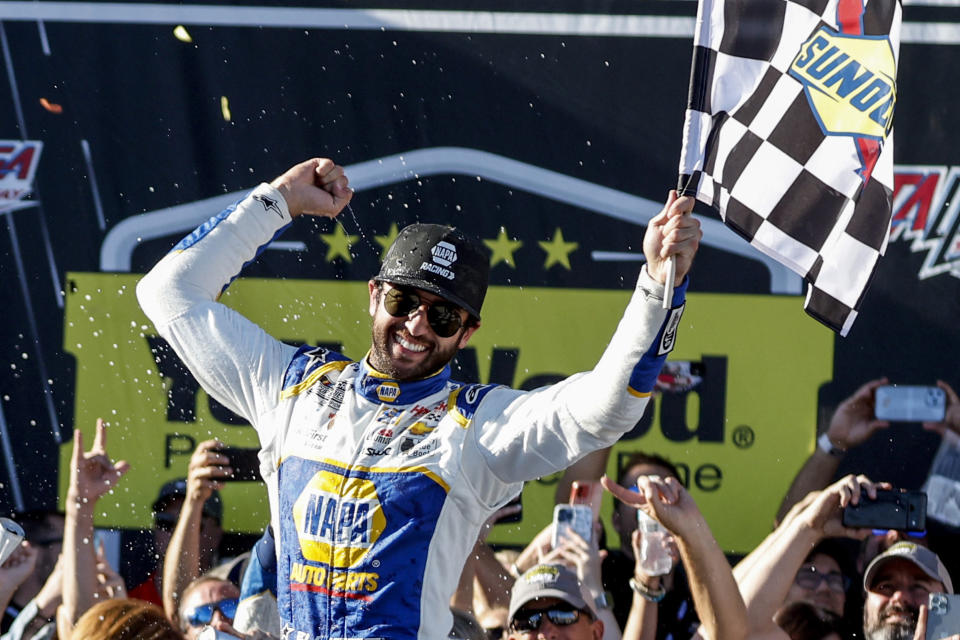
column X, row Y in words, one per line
column 18, row 164
column 926, row 203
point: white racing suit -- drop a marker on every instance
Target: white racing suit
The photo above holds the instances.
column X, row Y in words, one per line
column 378, row 488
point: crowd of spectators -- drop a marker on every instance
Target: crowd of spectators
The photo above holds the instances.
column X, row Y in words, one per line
column 811, row 578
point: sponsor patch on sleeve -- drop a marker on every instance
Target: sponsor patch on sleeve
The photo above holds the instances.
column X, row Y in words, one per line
column 669, row 336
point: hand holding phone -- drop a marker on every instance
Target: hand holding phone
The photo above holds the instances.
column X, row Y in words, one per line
column 943, row 616
column 897, row 509
column 578, row 517
column 910, row 403
column 244, row 462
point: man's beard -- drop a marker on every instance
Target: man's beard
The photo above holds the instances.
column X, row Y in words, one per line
column 380, row 358
column 880, row 629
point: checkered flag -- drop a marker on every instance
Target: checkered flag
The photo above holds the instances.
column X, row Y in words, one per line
column 788, row 134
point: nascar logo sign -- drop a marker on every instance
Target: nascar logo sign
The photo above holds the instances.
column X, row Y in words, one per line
column 18, row 164
column 338, row 519
column 849, row 81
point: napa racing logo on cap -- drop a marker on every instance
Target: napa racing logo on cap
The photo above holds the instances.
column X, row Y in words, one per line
column 18, row 164
column 388, row 391
column 444, row 255
column 850, row 82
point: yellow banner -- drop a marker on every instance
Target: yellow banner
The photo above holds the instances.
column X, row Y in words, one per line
column 738, row 438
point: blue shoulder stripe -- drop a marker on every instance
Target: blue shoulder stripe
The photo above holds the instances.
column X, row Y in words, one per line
column 204, row 229
column 465, row 400
column 307, row 363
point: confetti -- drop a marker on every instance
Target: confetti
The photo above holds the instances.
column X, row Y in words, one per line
column 52, row 107
column 180, row 33
column 225, row 108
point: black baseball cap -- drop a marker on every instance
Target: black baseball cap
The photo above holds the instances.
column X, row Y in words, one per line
column 442, row 260
column 173, row 489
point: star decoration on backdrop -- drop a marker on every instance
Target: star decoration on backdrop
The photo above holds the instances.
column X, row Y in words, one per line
column 502, row 248
column 558, row 251
column 387, row 240
column 338, row 244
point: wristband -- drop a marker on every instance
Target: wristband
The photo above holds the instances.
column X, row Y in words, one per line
column 824, row 444
column 653, row 595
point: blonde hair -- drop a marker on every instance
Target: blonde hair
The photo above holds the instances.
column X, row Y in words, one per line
column 125, row 619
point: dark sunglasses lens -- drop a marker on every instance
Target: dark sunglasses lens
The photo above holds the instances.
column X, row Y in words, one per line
column 444, row 319
column 524, row 622
column 563, row 617
column 228, row 608
column 200, row 615
column 399, row 302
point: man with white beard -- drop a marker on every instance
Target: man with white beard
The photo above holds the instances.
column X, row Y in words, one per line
column 898, row 582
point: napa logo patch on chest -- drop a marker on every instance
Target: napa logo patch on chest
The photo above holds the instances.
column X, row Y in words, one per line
column 388, row 391
column 850, row 82
column 338, row 519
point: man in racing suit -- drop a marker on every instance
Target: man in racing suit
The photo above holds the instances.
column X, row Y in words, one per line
column 380, row 472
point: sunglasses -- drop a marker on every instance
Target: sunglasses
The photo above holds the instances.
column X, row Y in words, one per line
column 810, row 578
column 203, row 614
column 530, row 621
column 443, row 317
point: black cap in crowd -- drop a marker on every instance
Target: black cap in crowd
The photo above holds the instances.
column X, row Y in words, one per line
column 173, row 489
column 442, row 260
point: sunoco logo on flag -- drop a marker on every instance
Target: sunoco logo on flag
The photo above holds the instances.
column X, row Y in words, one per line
column 18, row 164
column 849, row 81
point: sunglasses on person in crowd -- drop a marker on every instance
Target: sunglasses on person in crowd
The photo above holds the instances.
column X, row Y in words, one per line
column 530, row 620
column 810, row 578
column 203, row 614
column 443, row 317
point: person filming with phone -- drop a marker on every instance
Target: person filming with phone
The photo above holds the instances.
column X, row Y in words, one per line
column 858, row 418
column 191, row 550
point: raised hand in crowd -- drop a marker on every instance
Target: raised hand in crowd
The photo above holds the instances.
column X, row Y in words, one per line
column 715, row 595
column 951, row 420
column 852, row 424
column 767, row 574
column 92, row 474
column 182, row 561
column 15, row 570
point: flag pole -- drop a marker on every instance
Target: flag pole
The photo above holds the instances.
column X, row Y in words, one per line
column 668, row 285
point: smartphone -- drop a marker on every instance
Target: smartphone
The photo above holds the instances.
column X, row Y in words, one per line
column 588, row 493
column 11, row 535
column 910, row 403
column 578, row 517
column 893, row 509
column 943, row 616
column 244, row 462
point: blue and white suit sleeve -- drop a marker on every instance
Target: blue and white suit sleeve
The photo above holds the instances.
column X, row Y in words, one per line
column 521, row 436
column 237, row 362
